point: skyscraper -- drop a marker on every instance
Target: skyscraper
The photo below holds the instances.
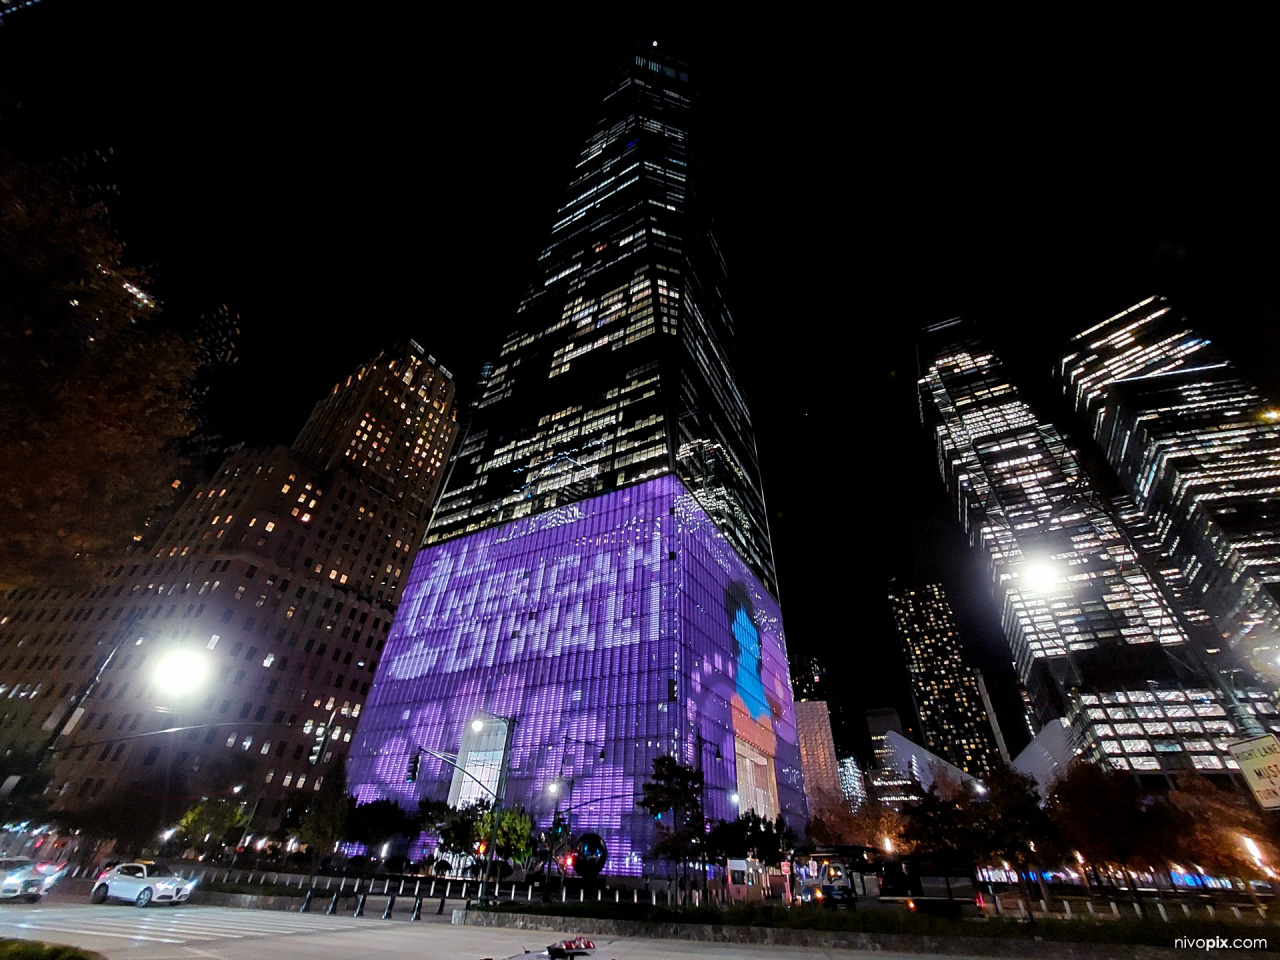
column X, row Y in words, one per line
column 277, row 578
column 1094, row 638
column 889, row 785
column 599, row 569
column 953, row 720
column 817, row 754
column 1198, row 450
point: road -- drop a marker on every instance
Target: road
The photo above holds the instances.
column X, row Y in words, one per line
column 191, row 932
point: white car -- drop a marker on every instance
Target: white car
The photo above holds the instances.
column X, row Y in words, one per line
column 144, row 883
column 23, row 879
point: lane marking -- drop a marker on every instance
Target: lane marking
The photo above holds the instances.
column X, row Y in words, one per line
column 95, row 933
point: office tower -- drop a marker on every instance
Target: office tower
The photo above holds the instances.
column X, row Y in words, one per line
column 1093, row 637
column 1197, row 447
column 953, row 722
column 889, row 784
column 853, row 786
column 599, row 568
column 817, row 754
column 278, row 577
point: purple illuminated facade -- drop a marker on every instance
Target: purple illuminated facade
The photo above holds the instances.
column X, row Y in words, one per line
column 622, row 625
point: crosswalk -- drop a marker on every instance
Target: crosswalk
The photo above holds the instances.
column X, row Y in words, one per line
column 168, row 925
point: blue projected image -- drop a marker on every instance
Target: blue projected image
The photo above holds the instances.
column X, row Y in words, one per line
column 750, row 681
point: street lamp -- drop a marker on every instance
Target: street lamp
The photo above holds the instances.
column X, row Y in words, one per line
column 180, row 671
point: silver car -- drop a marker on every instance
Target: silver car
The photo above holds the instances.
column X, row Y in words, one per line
column 144, row 882
column 22, row 878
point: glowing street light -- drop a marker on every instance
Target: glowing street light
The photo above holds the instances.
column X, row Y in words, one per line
column 181, row 671
column 1254, row 852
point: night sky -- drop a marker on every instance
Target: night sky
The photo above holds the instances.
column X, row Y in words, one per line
column 343, row 176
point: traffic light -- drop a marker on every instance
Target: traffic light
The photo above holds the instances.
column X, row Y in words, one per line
column 411, row 775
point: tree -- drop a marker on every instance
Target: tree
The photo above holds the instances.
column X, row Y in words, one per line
column 459, row 828
column 873, row 824
column 514, row 834
column 94, row 394
column 674, row 797
column 207, row 824
column 1222, row 831
column 1137, row 830
column 26, row 800
column 376, row 822
column 1001, row 822
column 133, row 826
column 325, row 820
column 751, row 835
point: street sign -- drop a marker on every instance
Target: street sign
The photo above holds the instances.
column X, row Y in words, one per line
column 1259, row 760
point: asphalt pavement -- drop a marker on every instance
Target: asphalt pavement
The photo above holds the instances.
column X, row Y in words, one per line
column 192, row 932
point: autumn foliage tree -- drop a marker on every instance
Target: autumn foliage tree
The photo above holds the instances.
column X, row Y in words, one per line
column 94, row 393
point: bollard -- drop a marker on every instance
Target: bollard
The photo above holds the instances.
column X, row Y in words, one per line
column 333, row 905
column 616, row 895
column 1066, row 908
column 391, row 905
column 440, row 912
column 1186, row 911
column 1163, row 916
column 582, row 894
column 1022, row 909
column 360, row 905
column 654, row 894
column 1236, row 911
column 1115, row 909
column 529, row 896
column 1209, row 907
column 1137, row 909
column 417, row 908
column 306, row 902
column 635, row 896
column 1092, row 913
column 563, row 892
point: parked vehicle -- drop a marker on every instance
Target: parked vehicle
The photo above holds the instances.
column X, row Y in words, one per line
column 23, row 879
column 829, row 887
column 143, row 883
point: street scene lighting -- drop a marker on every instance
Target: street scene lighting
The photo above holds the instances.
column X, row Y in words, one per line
column 180, row 671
